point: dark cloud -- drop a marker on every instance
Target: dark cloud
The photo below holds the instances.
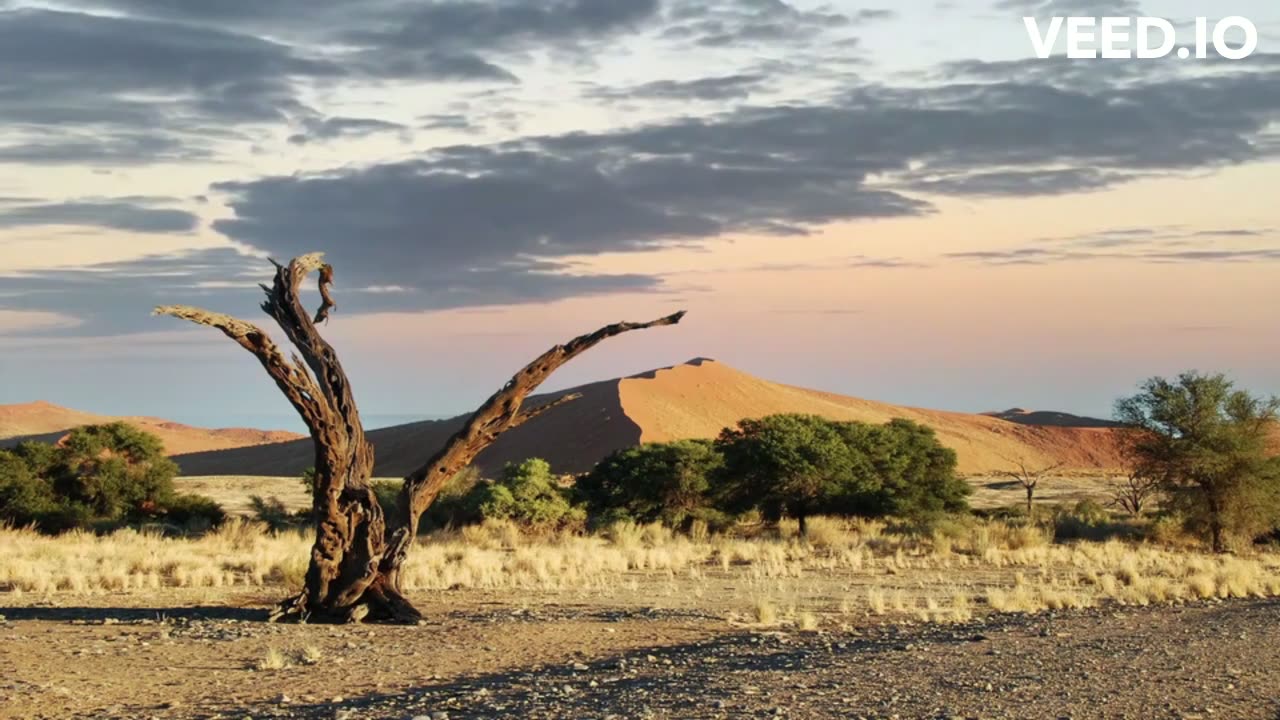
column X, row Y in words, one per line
column 130, row 216
column 117, row 297
column 63, row 67
column 763, row 170
column 333, row 128
column 106, row 148
column 447, row 121
column 1012, row 183
column 461, row 26
column 747, row 23
column 725, row 87
column 147, row 87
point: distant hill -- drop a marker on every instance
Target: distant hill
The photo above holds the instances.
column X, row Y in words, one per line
column 693, row 400
column 46, row 422
column 1051, row 419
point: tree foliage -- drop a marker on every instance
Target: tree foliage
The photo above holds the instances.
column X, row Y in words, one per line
column 802, row 465
column 529, row 494
column 1206, row 441
column 655, row 482
column 915, row 473
column 97, row 476
column 788, row 465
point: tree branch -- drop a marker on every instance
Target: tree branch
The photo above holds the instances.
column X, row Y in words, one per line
column 501, row 412
column 291, row 377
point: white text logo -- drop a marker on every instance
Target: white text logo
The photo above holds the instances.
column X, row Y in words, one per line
column 1233, row 38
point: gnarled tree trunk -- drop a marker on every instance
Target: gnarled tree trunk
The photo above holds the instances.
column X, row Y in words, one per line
column 358, row 553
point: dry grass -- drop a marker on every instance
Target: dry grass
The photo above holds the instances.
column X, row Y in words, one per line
column 842, row 571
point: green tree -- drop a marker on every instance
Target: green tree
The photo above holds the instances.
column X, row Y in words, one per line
column 793, row 465
column 1207, row 443
column 529, row 494
column 114, row 469
column 666, row 482
column 97, row 475
column 916, row 473
column 25, row 497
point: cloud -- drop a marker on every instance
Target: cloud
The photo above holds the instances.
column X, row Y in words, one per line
column 1017, row 183
column 117, row 297
column 149, row 86
column 335, row 128
column 779, row 170
column 1054, row 8
column 125, row 215
column 747, row 23
column 1149, row 245
column 725, row 87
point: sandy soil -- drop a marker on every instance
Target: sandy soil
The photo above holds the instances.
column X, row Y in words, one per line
column 189, row 655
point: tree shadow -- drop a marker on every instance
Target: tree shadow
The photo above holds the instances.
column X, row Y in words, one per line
column 669, row 680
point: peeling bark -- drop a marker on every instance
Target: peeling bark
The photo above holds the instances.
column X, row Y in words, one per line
column 354, row 572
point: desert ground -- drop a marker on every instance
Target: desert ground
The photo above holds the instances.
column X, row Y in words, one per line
column 978, row 619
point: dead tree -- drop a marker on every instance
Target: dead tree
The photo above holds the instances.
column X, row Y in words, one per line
column 354, row 572
column 1134, row 491
column 1029, row 477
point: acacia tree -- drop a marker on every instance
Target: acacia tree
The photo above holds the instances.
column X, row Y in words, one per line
column 354, row 572
column 1207, row 444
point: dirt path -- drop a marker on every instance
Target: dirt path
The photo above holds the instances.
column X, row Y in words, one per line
column 1220, row 660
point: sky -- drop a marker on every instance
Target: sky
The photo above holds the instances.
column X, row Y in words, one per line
column 893, row 200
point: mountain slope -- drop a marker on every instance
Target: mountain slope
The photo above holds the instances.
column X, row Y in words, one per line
column 46, row 422
column 694, row 400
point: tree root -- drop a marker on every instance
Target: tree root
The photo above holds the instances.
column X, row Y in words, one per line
column 379, row 604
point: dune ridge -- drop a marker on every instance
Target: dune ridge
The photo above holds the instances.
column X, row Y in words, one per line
column 693, row 400
column 45, row 422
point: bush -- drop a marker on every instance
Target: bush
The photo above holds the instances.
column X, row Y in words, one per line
column 271, row 512
column 98, row 477
column 528, row 494
column 457, row 505
column 194, row 513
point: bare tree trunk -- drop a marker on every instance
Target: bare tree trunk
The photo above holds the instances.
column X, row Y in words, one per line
column 1215, row 522
column 1031, row 493
column 357, row 557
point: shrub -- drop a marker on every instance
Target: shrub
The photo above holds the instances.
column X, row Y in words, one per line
column 195, row 513
column 457, row 505
column 527, row 493
column 272, row 512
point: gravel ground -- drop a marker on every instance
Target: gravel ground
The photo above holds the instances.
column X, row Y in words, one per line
column 1220, row 660
column 1212, row 660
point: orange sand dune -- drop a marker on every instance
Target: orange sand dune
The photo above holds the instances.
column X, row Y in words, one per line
column 47, row 423
column 694, row 400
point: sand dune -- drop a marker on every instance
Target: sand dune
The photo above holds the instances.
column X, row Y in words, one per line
column 47, row 422
column 693, row 400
